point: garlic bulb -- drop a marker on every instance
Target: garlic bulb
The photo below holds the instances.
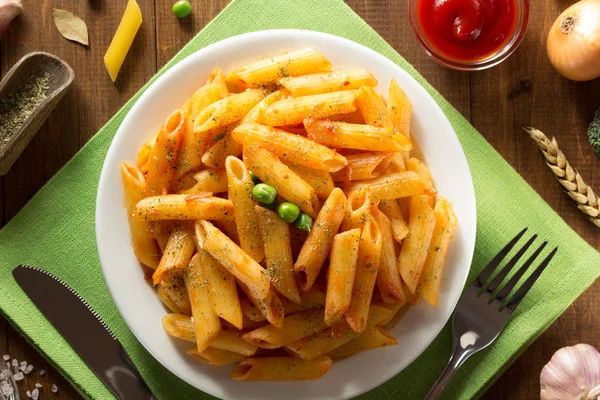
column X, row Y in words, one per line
column 9, row 9
column 573, row 373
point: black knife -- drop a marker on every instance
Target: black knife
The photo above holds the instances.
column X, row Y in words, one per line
column 85, row 331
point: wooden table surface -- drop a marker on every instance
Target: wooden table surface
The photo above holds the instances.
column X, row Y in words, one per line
column 554, row 105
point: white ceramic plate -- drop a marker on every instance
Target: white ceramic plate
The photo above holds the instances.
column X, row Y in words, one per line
column 137, row 301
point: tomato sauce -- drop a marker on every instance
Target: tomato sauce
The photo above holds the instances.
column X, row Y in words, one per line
column 467, row 30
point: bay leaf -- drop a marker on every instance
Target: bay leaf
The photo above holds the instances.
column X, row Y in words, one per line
column 71, row 26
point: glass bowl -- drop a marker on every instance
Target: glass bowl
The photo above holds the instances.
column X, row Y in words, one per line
column 8, row 386
column 522, row 19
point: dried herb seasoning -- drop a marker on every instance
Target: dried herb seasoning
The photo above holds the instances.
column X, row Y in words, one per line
column 20, row 104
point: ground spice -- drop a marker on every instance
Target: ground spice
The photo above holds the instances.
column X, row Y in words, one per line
column 20, row 103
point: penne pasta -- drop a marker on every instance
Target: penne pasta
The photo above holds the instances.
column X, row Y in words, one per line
column 228, row 227
column 209, row 181
column 367, row 266
column 312, row 299
column 363, row 166
column 216, row 357
column 257, row 114
column 295, row 110
column 180, row 249
column 393, row 307
column 293, row 149
column 325, row 82
column 278, row 253
column 393, row 186
column 321, row 181
column 179, row 326
column 340, row 280
column 269, row 71
column 182, row 206
column 343, row 135
column 142, row 240
column 392, row 210
column 445, row 224
column 421, row 224
column 222, row 290
column 420, row 168
column 217, row 79
column 400, row 108
column 295, row 327
column 233, row 342
column 316, row 247
column 250, row 311
column 121, row 42
column 173, row 285
column 397, row 163
column 163, row 295
column 143, row 155
column 331, row 338
column 280, row 369
column 216, row 154
column 288, row 184
column 162, row 232
column 246, row 218
column 206, row 323
column 373, row 108
column 358, row 210
column 162, row 161
column 233, row 258
column 388, row 278
column 374, row 338
column 270, row 307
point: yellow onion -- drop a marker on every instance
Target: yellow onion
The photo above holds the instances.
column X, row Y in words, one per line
column 574, row 41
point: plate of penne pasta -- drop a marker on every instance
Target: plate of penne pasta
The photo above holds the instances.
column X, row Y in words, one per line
column 285, row 206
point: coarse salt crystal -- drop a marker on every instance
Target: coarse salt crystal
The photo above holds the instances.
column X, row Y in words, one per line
column 6, row 357
column 28, row 369
column 23, row 365
column 18, row 376
column 28, row 393
column 35, row 394
column 42, row 372
column 54, row 388
column 6, row 389
column 38, row 385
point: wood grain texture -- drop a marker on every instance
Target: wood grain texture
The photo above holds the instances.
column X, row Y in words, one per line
column 554, row 105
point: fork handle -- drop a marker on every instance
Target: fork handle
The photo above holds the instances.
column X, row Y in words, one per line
column 458, row 357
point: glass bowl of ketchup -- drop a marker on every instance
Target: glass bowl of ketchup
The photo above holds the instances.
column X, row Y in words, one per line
column 469, row 35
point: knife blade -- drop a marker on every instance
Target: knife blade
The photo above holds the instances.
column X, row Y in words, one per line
column 84, row 330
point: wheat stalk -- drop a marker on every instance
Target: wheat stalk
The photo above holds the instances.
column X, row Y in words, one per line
column 577, row 189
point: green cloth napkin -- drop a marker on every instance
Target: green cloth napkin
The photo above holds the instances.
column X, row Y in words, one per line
column 56, row 231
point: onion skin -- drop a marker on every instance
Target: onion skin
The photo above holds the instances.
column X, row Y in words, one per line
column 574, row 41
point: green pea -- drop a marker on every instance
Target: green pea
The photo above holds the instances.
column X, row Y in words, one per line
column 255, row 178
column 264, row 193
column 288, row 212
column 304, row 222
column 182, row 8
column 271, row 206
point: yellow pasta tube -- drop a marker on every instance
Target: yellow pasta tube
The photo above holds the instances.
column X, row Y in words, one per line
column 178, row 252
column 363, row 166
column 209, row 181
column 333, row 81
column 246, row 219
column 121, row 42
column 388, row 278
column 215, row 357
column 331, row 338
column 288, row 184
column 144, row 245
column 217, row 78
column 342, row 268
column 221, row 290
column 143, row 155
column 393, row 186
column 290, row 148
column 421, row 224
column 367, row 266
column 216, row 155
column 445, row 223
column 257, row 114
column 358, row 210
column 250, row 311
column 321, row 181
column 278, row 253
column 400, row 108
column 206, row 323
column 226, row 111
column 374, row 338
column 280, row 369
column 397, row 163
column 356, row 136
column 393, row 307
column 267, row 72
column 295, row 110
column 270, row 307
column 392, row 210
column 163, row 295
column 312, row 299
column 373, row 108
column 295, row 327
column 233, row 258
column 163, row 158
column 173, row 285
column 179, row 326
column 316, row 247
column 420, row 168
column 232, row 341
column 182, row 206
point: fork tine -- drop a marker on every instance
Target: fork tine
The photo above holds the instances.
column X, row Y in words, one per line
column 517, row 276
column 520, row 294
column 509, row 266
column 491, row 267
